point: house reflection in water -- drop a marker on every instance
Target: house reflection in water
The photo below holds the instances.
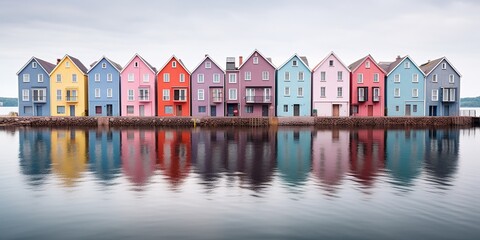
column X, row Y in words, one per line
column 404, row 154
column 69, row 154
column 294, row 154
column 330, row 152
column 174, row 154
column 367, row 154
column 34, row 154
column 104, row 153
column 441, row 155
column 138, row 154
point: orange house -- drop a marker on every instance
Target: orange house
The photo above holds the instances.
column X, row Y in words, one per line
column 173, row 89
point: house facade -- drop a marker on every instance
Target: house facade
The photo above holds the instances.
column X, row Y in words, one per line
column 232, row 86
column 367, row 88
column 442, row 88
column 293, row 96
column 104, row 88
column 405, row 88
column 68, row 88
column 257, row 86
column 207, row 86
column 331, row 88
column 137, row 83
column 173, row 89
column 34, row 88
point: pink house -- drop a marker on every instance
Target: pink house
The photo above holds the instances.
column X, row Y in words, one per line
column 367, row 95
column 137, row 84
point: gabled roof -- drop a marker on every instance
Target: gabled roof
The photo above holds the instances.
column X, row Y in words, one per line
column 302, row 60
column 389, row 67
column 154, row 70
column 75, row 61
column 359, row 62
column 205, row 58
column 256, row 51
column 325, row 59
column 179, row 61
column 429, row 66
column 114, row 64
column 46, row 66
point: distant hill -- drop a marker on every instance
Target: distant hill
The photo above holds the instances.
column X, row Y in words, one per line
column 9, row 102
column 470, row 102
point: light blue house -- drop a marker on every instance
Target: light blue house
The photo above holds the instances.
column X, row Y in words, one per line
column 405, row 88
column 104, row 154
column 294, row 82
column 34, row 88
column 104, row 88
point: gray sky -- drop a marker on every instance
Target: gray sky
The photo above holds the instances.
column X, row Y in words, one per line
column 89, row 29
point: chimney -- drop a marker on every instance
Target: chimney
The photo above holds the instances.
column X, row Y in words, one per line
column 58, row 60
column 240, row 60
column 398, row 57
column 206, row 55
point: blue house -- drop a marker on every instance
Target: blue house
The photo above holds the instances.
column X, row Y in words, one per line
column 294, row 82
column 294, row 161
column 442, row 88
column 104, row 154
column 104, row 88
column 405, row 88
column 34, row 88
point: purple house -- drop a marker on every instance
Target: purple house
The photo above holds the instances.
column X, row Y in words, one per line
column 207, row 89
column 256, row 86
column 232, row 85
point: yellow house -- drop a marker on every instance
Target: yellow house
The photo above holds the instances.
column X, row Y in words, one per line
column 68, row 88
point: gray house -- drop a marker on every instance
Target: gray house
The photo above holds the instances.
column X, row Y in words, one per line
column 442, row 88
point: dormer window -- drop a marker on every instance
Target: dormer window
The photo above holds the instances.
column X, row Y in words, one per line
column 174, row 64
column 407, row 65
column 104, row 65
column 208, row 65
column 67, row 64
column 330, row 63
column 444, row 66
column 34, row 65
column 255, row 60
column 294, row 63
column 135, row 64
column 367, row 64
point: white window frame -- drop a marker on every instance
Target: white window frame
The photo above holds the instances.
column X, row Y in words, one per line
column 376, row 94
column 166, row 77
column 396, row 92
column 26, row 77
column 67, row 64
column 109, row 77
column 323, row 92
column 144, row 94
column 174, row 64
column 34, row 64
column 407, row 65
column 376, row 77
column 232, row 94
column 265, row 76
column 232, row 78
column 255, row 60
column 415, row 78
column 41, row 95
column 130, row 95
column 248, row 76
column 104, row 65
column 301, row 76
column 361, row 94
column 40, row 77
column 286, row 91
column 97, row 77
column 360, row 78
column 267, row 94
column 131, row 77
column 201, row 95
column 146, row 77
column 396, row 78
column 74, row 78
column 339, row 75
column 415, row 92
column 25, row 95
column 435, row 78
column 58, row 78
column 166, row 94
column 135, row 64
column 109, row 92
column 367, row 64
column 59, row 94
column 132, row 108
column 331, row 63
column 300, row 92
column 287, row 76
column 451, row 78
column 97, row 92
column 182, row 77
column 444, row 66
column 200, row 78
column 295, row 63
column 208, row 64
column 339, row 92
column 250, row 95
column 285, row 108
column 323, row 76
column 434, row 95
column 216, row 78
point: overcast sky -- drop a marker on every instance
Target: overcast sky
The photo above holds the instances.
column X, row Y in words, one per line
column 89, row 29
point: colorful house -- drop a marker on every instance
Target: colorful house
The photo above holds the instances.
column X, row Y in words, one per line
column 232, row 86
column 104, row 154
column 405, row 87
column 331, row 88
column 173, row 89
column 174, row 154
column 293, row 88
column 367, row 155
column 68, row 88
column 208, row 80
column 442, row 88
column 138, row 154
column 367, row 84
column 137, row 83
column 34, row 88
column 257, row 86
column 104, row 88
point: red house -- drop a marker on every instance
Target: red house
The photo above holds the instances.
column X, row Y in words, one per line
column 173, row 89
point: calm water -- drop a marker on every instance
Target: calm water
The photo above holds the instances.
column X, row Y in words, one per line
column 290, row 183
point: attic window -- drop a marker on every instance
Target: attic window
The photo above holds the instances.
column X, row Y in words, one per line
column 208, row 65
column 407, row 65
column 294, row 63
column 104, row 65
column 255, row 60
column 135, row 64
column 330, row 63
column 367, row 64
column 67, row 64
column 174, row 64
column 444, row 66
column 34, row 65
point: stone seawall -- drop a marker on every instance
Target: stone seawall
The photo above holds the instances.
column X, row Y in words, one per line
column 236, row 121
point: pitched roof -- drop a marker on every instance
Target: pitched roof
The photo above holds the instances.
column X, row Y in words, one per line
column 114, row 64
column 75, row 61
column 390, row 66
column 256, row 51
column 178, row 60
column 429, row 66
column 325, row 59
column 205, row 58
column 300, row 58
column 47, row 67
column 154, row 70
column 304, row 59
column 356, row 64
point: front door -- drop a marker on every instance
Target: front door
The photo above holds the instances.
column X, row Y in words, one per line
column 141, row 109
column 109, row 109
column 179, row 110
column 336, row 110
column 213, row 111
column 408, row 110
column 296, row 109
column 230, row 109
column 72, row 110
column 39, row 111
column 370, row 110
column 265, row 110
column 446, row 110
column 432, row 111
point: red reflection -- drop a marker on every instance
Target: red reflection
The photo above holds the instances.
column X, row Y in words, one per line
column 367, row 154
column 174, row 154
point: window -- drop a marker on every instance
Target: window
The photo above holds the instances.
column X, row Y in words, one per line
column 74, row 78
column 414, row 108
column 98, row 109
column 287, row 76
column 250, row 95
column 39, row 95
column 255, row 60
column 25, row 95
column 396, row 78
column 330, row 63
column 144, row 94
column 40, row 77
column 59, row 95
column 376, row 94
column 286, row 91
column 249, row 109
column 97, row 92
column 415, row 78
column 415, row 92
column 208, row 64
column 285, row 108
column 248, row 76
column 267, row 96
column 34, row 65
column 97, row 77
column 367, row 64
column 362, row 94
column 376, row 77
column 174, row 64
column 202, row 109
column 407, row 65
column 109, row 77
column 434, row 95
column 217, row 95
column 396, row 92
column 200, row 78
column 451, row 78
column 323, row 76
column 146, row 77
column 339, row 92
column 71, row 95
column 182, row 77
column 135, row 64
column 232, row 94
column 131, row 77
column 27, row 109
column 168, row 109
column 67, row 64
column 166, row 94
column 130, row 95
column 300, row 76
column 59, row 77
column 295, row 63
column 300, row 92
column 201, row 94
column 322, row 92
column 109, row 92
column 216, row 78
column 339, row 76
column 166, row 77
column 130, row 109
column 444, row 66
column 104, row 65
column 435, row 78
column 60, row 109
column 360, row 78
column 180, row 94
column 232, row 78
column 265, row 75
column 26, row 77
column 449, row 94
column 397, row 108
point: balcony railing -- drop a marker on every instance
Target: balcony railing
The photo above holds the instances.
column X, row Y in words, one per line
column 217, row 99
column 40, row 99
column 258, row 99
column 71, row 99
column 144, row 98
column 180, row 98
